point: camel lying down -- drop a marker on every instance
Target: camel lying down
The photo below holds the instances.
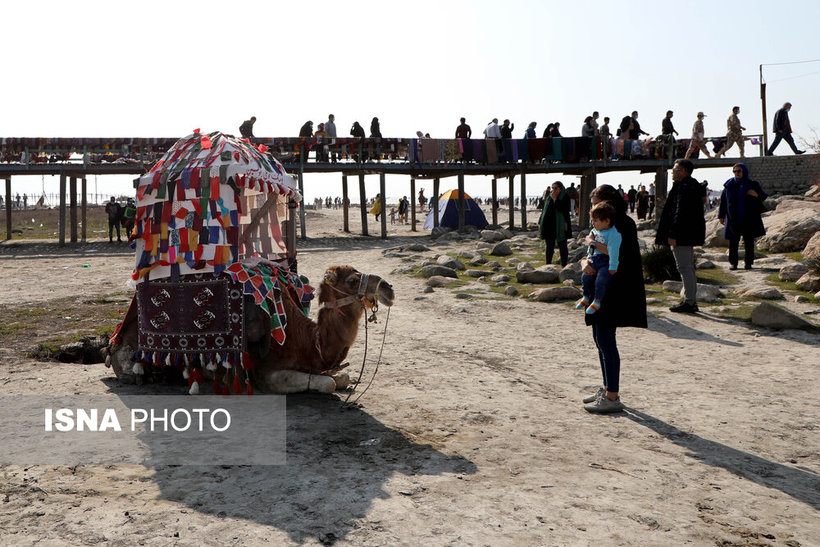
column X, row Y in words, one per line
column 312, row 356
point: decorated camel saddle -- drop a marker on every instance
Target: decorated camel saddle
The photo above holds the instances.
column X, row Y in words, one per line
column 217, row 296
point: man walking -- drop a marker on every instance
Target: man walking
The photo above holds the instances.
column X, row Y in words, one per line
column 698, row 138
column 112, row 209
column 734, row 133
column 683, row 227
column 783, row 130
column 330, row 133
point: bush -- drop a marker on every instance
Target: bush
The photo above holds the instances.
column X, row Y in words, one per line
column 659, row 264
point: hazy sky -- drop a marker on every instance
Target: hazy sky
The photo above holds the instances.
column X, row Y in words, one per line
column 164, row 68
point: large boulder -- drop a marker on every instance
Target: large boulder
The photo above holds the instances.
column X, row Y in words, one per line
column 491, row 236
column 541, row 275
column 714, row 234
column 809, row 282
column 793, row 272
column 797, row 203
column 551, row 294
column 476, row 273
column 501, row 249
column 812, row 250
column 439, row 281
column 706, row 293
column 761, row 293
column 450, row 262
column 572, row 272
column 672, row 285
column 435, row 269
column 775, row 317
column 500, row 277
column 790, row 230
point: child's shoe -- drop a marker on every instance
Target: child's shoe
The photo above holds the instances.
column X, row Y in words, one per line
column 595, row 306
column 581, row 304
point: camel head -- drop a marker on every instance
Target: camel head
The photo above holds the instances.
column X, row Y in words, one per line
column 347, row 281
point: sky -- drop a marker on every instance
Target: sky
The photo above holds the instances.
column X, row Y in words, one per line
column 161, row 69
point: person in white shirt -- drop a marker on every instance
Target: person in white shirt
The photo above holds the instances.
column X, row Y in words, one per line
column 492, row 131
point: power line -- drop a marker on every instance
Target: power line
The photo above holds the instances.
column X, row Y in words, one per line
column 794, row 77
column 791, row 63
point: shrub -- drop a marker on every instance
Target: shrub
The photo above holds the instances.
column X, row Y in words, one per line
column 659, row 264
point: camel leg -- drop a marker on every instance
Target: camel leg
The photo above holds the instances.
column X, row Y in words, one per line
column 293, row 381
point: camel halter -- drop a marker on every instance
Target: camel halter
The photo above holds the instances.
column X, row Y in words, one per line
column 360, row 296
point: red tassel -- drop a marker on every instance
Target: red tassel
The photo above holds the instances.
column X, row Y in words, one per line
column 247, row 364
column 250, row 389
column 226, row 390
column 217, row 387
column 237, row 387
column 196, row 131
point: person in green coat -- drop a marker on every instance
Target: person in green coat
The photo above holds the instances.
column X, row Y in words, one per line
column 555, row 227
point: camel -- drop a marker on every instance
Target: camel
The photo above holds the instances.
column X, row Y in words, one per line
column 313, row 353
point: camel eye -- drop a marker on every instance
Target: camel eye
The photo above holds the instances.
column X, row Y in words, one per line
column 352, row 281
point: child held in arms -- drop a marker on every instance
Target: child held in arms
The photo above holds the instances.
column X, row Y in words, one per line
column 604, row 244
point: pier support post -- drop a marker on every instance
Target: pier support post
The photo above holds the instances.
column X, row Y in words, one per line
column 461, row 201
column 84, row 210
column 436, row 185
column 495, row 201
column 345, row 205
column 523, row 201
column 302, row 227
column 72, row 207
column 512, row 202
column 62, row 209
column 383, row 197
column 8, row 207
column 363, row 203
column 412, row 204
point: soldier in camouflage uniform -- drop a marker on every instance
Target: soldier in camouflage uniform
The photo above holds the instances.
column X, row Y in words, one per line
column 698, row 140
column 734, row 133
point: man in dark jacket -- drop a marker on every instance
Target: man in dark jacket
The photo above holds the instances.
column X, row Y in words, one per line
column 783, row 130
column 636, row 131
column 246, row 129
column 683, row 227
column 114, row 212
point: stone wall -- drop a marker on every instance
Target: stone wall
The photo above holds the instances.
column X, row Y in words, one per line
column 781, row 175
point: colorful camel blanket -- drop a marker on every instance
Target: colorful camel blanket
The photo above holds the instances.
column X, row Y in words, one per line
column 200, row 315
column 268, row 282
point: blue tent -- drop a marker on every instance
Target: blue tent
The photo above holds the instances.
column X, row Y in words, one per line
column 448, row 212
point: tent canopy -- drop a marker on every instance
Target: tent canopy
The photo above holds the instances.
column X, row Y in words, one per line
column 448, row 212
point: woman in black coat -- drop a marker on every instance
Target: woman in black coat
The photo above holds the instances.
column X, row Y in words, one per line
column 623, row 306
column 741, row 204
column 554, row 224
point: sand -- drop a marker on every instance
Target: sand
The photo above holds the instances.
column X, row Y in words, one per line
column 473, row 432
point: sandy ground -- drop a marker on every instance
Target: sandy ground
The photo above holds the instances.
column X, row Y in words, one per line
column 472, row 433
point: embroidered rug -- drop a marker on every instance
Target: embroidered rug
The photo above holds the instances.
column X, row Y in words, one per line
column 200, row 315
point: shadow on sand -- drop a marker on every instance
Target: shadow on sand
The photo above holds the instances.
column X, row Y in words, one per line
column 675, row 329
column 338, row 461
column 801, row 484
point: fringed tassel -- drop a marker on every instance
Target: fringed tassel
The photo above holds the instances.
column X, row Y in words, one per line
column 245, row 359
column 237, row 387
column 138, row 369
column 194, row 389
column 217, row 387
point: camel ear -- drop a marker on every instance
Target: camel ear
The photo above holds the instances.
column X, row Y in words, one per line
column 330, row 277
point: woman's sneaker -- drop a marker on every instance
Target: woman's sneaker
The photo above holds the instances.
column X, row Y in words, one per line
column 605, row 406
column 592, row 398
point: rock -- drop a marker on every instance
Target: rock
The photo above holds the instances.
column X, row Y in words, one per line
column 809, row 282
column 714, row 235
column 571, row 272
column 511, row 291
column 428, row 288
column 463, row 295
column 775, row 317
column 492, row 264
column 793, row 272
column 524, row 266
column 817, row 295
column 790, row 230
column 478, row 261
column 436, row 269
column 439, row 231
column 645, row 225
column 551, row 294
column 416, row 247
column 672, row 286
column 642, row 245
column 484, row 246
column 577, row 254
column 501, row 249
column 650, row 301
column 469, row 255
column 513, row 261
column 812, row 250
column 450, row 262
column 791, row 203
column 507, row 233
column 801, row 299
column 705, row 293
column 439, row 281
column 762, row 293
column 814, row 191
column 569, row 282
column 501, row 283
column 492, row 236
column 706, row 265
column 501, row 277
column 541, row 275
column 475, row 273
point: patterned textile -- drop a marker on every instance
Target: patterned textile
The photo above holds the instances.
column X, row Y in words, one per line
column 267, row 282
column 452, row 151
column 199, row 315
column 193, row 204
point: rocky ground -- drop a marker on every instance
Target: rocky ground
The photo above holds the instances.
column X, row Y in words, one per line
column 471, row 433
